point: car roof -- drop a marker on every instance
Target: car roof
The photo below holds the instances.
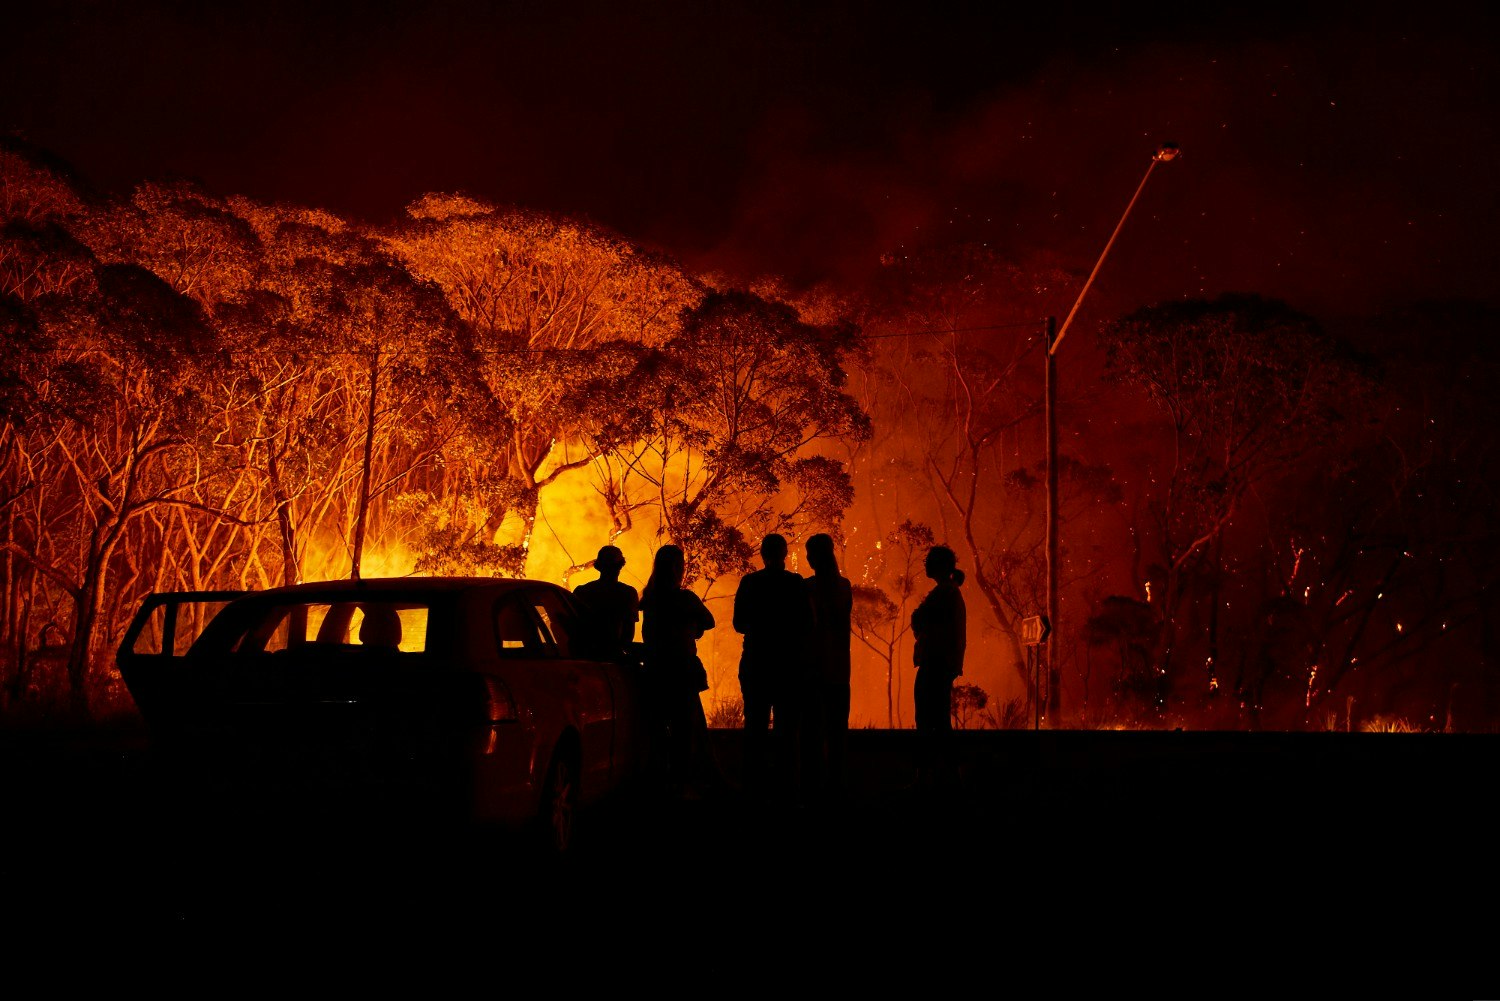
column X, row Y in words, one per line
column 402, row 585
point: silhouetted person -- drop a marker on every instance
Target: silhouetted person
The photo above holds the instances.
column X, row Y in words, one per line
column 939, row 624
column 672, row 620
column 380, row 629
column 772, row 610
column 610, row 607
column 826, row 722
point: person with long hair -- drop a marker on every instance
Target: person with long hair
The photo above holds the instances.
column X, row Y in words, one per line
column 672, row 620
column 827, row 720
column 940, row 626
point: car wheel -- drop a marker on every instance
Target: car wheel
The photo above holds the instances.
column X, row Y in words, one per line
column 559, row 814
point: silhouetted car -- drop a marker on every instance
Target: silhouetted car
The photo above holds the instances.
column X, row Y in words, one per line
column 479, row 686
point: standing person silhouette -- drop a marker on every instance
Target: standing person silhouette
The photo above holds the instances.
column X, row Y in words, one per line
column 672, row 620
column 610, row 607
column 772, row 610
column 940, row 628
column 828, row 726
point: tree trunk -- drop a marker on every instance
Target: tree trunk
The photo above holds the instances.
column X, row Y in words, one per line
column 1214, row 590
column 1054, row 707
column 8, row 624
column 12, row 644
column 1163, row 658
column 291, row 573
column 364, row 474
column 87, row 603
column 22, row 680
column 890, row 692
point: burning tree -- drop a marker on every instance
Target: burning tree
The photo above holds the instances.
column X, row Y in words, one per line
column 1387, row 543
column 1247, row 386
column 969, row 703
column 965, row 420
column 121, row 393
column 881, row 621
column 200, row 392
column 557, row 309
column 203, row 392
column 715, row 429
column 1128, row 627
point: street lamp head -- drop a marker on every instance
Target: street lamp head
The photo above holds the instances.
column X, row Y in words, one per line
column 1167, row 152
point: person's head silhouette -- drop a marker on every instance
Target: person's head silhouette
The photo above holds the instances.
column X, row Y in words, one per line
column 381, row 628
column 820, row 554
column 773, row 551
column 609, row 562
column 942, row 566
column 668, row 568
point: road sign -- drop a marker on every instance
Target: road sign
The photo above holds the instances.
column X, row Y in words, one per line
column 1035, row 629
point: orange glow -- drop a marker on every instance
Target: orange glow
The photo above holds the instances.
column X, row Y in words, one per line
column 498, row 392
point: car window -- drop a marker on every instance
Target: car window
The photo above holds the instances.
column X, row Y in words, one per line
column 556, row 618
column 518, row 633
column 282, row 627
column 401, row 627
column 170, row 624
column 151, row 638
column 192, row 617
column 385, row 626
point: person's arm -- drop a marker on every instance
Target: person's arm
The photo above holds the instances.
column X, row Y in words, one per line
column 921, row 616
column 961, row 634
column 953, row 611
column 806, row 609
column 627, row 627
column 742, row 608
column 705, row 618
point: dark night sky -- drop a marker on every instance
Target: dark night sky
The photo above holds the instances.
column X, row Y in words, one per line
column 1335, row 157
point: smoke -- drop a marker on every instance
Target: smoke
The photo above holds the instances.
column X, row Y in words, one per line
column 1335, row 156
column 1340, row 168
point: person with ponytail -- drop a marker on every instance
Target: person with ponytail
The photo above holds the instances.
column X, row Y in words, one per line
column 939, row 624
column 826, row 736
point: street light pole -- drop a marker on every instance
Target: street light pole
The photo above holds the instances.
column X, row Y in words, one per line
column 1054, row 336
column 1049, row 403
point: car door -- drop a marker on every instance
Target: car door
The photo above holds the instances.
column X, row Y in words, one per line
column 588, row 682
column 152, row 655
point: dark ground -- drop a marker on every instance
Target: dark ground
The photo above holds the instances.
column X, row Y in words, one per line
column 1236, row 850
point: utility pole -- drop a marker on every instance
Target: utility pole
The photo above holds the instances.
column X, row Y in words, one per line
column 1049, row 669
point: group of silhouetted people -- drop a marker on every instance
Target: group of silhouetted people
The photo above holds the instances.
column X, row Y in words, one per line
column 794, row 671
column 794, row 668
